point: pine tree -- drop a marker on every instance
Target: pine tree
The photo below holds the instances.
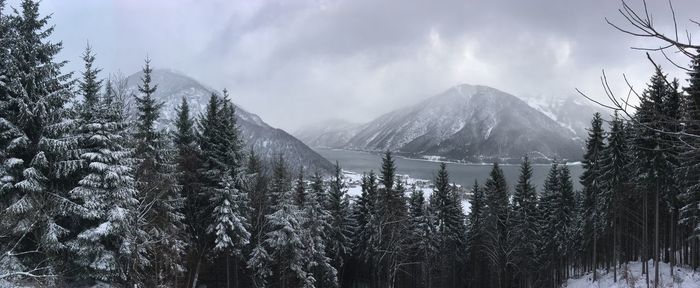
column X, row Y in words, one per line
column 548, row 252
column 423, row 244
column 615, row 176
column 188, row 176
column 391, row 208
column 285, row 243
column 315, row 234
column 159, row 198
column 259, row 205
column 497, row 224
column 590, row 179
column 476, row 238
column 300, row 189
column 104, row 200
column 690, row 156
column 366, row 218
column 264, row 260
column 33, row 122
column 340, row 223
column 449, row 222
column 525, row 225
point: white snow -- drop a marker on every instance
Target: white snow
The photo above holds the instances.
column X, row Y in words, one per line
column 353, row 181
column 682, row 278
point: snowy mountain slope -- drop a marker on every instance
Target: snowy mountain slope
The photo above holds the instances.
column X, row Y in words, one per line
column 265, row 140
column 465, row 123
column 573, row 112
column 333, row 133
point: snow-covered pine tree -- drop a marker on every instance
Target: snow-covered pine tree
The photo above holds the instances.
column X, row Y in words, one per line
column 391, row 209
column 339, row 232
column 590, row 180
column 300, row 189
column 33, row 126
column 158, row 193
column 227, row 182
column 188, row 177
column 285, row 242
column 525, row 226
column 263, row 262
column 104, row 200
column 497, row 223
column 423, row 244
column 259, row 205
column 315, row 234
column 449, row 222
column 366, row 220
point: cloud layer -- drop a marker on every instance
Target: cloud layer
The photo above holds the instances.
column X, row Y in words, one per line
column 300, row 62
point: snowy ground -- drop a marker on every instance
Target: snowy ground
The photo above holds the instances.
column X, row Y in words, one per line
column 683, row 278
column 353, row 181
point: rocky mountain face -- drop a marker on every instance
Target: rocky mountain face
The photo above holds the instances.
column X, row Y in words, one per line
column 465, row 123
column 265, row 140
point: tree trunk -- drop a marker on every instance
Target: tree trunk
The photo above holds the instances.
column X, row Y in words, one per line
column 656, row 238
column 195, row 277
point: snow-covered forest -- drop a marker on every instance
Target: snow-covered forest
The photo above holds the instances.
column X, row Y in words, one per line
column 92, row 196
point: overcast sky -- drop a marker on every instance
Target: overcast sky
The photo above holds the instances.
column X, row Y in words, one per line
column 299, row 62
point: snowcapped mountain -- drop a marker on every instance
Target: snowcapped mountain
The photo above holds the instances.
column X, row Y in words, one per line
column 573, row 112
column 465, row 123
column 264, row 139
column 333, row 133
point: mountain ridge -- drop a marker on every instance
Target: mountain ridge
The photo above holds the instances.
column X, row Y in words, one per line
column 468, row 123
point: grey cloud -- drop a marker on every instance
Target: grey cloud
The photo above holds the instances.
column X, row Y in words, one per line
column 297, row 62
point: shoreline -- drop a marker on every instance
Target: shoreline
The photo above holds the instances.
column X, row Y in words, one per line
column 447, row 161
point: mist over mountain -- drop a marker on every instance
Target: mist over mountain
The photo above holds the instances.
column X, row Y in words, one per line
column 265, row 140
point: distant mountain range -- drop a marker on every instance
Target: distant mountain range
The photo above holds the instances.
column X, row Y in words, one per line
column 467, row 123
column 264, row 139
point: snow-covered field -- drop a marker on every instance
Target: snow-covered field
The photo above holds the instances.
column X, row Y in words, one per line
column 682, row 278
column 354, row 179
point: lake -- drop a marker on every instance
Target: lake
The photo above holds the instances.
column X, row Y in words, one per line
column 460, row 173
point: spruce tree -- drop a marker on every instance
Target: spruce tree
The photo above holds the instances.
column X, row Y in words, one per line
column 615, row 176
column 158, row 192
column 104, row 200
column 449, row 222
column 590, row 179
column 316, row 226
column 391, row 207
column 285, row 243
column 690, row 156
column 548, row 252
column 497, row 223
column 188, row 177
column 366, row 234
column 340, row 223
column 423, row 243
column 525, row 225
column 476, row 238
column 33, row 122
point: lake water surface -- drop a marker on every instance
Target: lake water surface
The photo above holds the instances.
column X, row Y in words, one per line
column 460, row 173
